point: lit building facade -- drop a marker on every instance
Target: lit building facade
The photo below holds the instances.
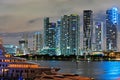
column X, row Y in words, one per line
column 111, row 29
column 50, row 36
column 23, row 46
column 87, row 30
column 46, row 30
column 70, row 34
column 58, row 52
column 64, row 36
column 99, row 45
column 37, row 42
column 10, row 49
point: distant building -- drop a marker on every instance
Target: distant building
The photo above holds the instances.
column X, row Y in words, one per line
column 87, row 30
column 58, row 51
column 1, row 46
column 99, row 45
column 23, row 46
column 111, row 29
column 10, row 49
column 37, row 42
column 50, row 36
column 46, row 30
column 70, row 34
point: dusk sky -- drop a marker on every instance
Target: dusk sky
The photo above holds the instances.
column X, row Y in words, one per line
column 27, row 15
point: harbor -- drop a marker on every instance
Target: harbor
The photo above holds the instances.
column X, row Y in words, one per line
column 16, row 68
column 59, row 40
column 99, row 70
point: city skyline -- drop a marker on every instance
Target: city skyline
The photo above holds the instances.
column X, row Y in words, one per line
column 27, row 16
column 70, row 37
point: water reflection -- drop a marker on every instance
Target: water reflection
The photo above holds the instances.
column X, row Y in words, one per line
column 104, row 70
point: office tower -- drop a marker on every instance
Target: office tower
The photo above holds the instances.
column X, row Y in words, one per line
column 50, row 36
column 70, row 34
column 64, row 36
column 87, row 30
column 99, row 45
column 46, row 30
column 118, row 34
column 37, row 42
column 111, row 29
column 58, row 52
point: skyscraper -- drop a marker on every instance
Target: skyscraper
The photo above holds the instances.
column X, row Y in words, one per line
column 70, row 34
column 46, row 30
column 50, row 36
column 87, row 30
column 37, row 42
column 58, row 52
column 74, row 34
column 111, row 28
column 99, row 36
column 64, row 36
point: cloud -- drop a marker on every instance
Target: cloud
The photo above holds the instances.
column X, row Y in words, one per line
column 53, row 7
column 15, row 14
column 27, row 15
column 11, row 24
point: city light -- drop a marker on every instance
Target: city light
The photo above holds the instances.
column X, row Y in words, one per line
column 114, row 15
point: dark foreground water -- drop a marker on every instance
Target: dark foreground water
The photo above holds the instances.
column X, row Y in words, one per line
column 101, row 70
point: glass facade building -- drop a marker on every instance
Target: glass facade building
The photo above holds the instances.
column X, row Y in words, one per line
column 10, row 49
column 111, row 29
column 70, row 34
column 46, row 30
column 99, row 36
column 58, row 52
column 50, row 36
column 37, row 42
column 87, row 30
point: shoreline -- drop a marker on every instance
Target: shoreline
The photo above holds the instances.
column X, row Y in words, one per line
column 69, row 58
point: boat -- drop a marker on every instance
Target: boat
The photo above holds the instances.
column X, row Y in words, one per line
column 15, row 68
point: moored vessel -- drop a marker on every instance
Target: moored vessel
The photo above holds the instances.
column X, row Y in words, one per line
column 14, row 68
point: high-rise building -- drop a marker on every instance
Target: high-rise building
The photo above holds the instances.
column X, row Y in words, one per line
column 111, row 28
column 37, row 42
column 87, row 30
column 58, row 52
column 70, row 34
column 99, row 45
column 64, row 36
column 46, row 30
column 118, row 34
column 49, row 36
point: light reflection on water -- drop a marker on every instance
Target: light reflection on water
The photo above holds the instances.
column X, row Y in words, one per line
column 100, row 70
